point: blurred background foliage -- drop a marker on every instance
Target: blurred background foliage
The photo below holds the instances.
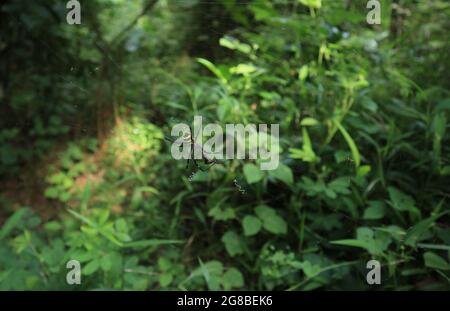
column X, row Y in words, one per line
column 85, row 172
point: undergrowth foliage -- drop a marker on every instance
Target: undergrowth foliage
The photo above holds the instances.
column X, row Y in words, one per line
column 364, row 149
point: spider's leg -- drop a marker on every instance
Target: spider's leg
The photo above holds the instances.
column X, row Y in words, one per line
column 205, row 160
column 198, row 166
column 212, row 164
column 187, row 163
column 208, row 164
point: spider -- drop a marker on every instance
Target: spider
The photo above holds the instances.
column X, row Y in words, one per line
column 207, row 157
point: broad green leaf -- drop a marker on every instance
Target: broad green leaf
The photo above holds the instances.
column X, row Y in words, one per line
column 164, row 264
column 121, row 225
column 91, row 267
column 103, row 217
column 275, row 224
column 165, row 279
column 233, row 243
column 211, row 271
column 399, row 200
column 251, row 224
column 402, row 202
column 252, row 173
column 213, row 267
column 106, row 262
column 272, row 222
column 233, row 277
column 376, row 210
column 364, row 234
column 433, row 260
column 264, row 211
column 283, row 173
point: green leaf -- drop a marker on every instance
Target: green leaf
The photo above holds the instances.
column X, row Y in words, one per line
column 355, row 153
column 264, row 211
column 275, row 224
column 418, row 230
column 86, row 195
column 302, row 75
column 111, row 262
column 306, row 153
column 363, row 170
column 283, row 173
column 165, row 279
column 251, row 224
column 96, row 226
column 399, row 200
column 106, row 262
column 222, row 214
column 310, row 269
column 52, row 226
column 214, row 267
column 233, row 277
column 243, row 69
column 252, row 173
column 272, row 222
column 375, row 244
column 313, row 4
column 364, row 234
column 340, row 185
column 309, row 122
column 352, row 242
column 91, row 267
column 12, row 222
column 103, row 217
column 211, row 272
column 376, row 210
column 233, row 243
column 164, row 264
column 234, row 44
column 434, row 261
column 213, row 69
column 51, row 192
column 121, row 225
column 439, row 124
